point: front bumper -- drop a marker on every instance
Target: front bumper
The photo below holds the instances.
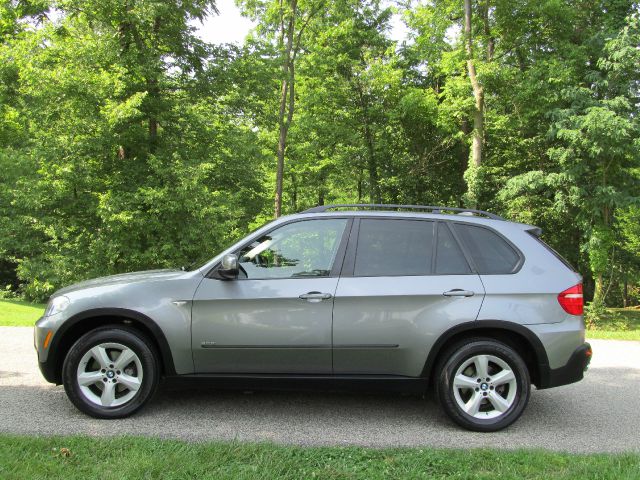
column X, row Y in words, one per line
column 572, row 372
column 46, row 361
column 49, row 373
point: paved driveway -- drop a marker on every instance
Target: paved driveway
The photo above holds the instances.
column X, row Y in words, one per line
column 601, row 413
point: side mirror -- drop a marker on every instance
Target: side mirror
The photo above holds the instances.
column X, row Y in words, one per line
column 229, row 267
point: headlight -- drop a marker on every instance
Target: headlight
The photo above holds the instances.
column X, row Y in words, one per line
column 57, row 305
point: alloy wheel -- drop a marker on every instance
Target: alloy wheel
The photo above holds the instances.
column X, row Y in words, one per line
column 484, row 386
column 109, row 374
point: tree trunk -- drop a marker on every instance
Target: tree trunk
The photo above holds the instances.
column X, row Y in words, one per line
column 294, row 193
column 321, row 187
column 598, row 292
column 372, row 163
column 463, row 154
column 478, row 91
column 491, row 45
column 285, row 113
column 153, row 121
column 153, row 90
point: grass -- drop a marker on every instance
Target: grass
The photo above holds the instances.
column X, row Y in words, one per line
column 132, row 457
column 617, row 324
column 17, row 313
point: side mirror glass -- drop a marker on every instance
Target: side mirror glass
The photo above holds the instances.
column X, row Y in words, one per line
column 229, row 266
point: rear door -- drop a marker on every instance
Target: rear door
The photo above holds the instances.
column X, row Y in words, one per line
column 404, row 282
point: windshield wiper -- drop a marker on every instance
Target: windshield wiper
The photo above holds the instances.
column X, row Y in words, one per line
column 312, row 273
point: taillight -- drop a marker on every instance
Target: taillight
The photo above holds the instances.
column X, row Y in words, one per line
column 571, row 300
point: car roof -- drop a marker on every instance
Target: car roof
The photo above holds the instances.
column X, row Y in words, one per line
column 468, row 217
column 387, row 207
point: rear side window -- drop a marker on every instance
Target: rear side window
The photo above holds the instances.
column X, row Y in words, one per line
column 394, row 247
column 490, row 252
column 449, row 257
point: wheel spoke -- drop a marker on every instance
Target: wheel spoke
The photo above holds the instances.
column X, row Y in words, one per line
column 502, row 377
column 108, row 394
column 498, row 402
column 481, row 363
column 462, row 381
column 125, row 358
column 101, row 356
column 89, row 378
column 132, row 383
column 473, row 405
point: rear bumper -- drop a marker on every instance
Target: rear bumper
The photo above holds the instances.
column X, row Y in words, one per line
column 572, row 372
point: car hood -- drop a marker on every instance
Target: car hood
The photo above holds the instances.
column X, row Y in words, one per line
column 123, row 278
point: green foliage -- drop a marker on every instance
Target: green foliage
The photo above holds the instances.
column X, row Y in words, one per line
column 123, row 164
column 594, row 314
column 613, row 323
column 127, row 143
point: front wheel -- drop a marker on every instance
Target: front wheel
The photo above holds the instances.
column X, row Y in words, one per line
column 110, row 372
column 483, row 385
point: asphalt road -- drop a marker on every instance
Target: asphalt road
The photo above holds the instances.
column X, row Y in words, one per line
column 599, row 414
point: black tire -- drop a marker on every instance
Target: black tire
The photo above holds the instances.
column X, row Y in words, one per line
column 133, row 340
column 455, row 357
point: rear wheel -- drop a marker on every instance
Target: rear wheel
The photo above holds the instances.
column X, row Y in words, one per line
column 483, row 385
column 110, row 372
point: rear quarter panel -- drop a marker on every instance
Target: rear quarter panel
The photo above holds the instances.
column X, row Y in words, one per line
column 530, row 297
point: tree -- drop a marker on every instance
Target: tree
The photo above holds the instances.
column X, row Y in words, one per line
column 475, row 160
column 351, row 138
column 115, row 171
column 285, row 23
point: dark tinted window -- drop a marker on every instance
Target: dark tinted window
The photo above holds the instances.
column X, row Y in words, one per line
column 490, row 252
column 394, row 247
column 449, row 257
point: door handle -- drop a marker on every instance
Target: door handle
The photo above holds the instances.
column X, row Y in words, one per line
column 457, row 292
column 315, row 296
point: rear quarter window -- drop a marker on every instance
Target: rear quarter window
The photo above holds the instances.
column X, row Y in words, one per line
column 491, row 253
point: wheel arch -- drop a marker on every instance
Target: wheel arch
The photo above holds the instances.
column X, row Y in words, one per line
column 81, row 323
column 518, row 337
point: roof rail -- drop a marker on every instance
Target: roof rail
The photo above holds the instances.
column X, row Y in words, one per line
column 380, row 206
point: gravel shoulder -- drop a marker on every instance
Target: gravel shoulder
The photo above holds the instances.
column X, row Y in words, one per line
column 599, row 414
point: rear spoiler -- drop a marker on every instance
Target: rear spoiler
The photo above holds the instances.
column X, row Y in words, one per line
column 535, row 231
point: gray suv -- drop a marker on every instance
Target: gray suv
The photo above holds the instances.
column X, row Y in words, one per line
column 396, row 297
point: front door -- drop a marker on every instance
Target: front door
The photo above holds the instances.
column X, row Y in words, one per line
column 276, row 316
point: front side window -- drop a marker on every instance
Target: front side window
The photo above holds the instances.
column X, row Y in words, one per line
column 394, row 247
column 301, row 249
